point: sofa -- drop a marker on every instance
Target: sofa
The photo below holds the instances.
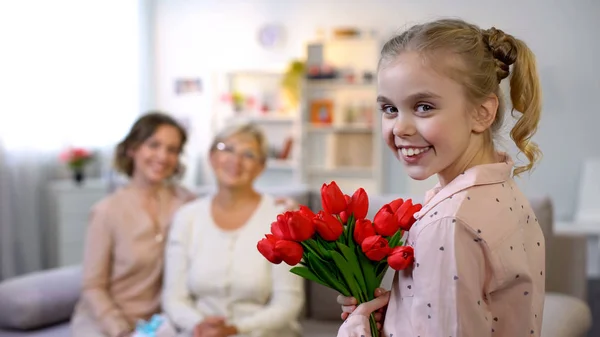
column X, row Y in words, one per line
column 40, row 304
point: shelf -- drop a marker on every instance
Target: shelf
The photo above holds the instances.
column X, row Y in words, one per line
column 343, row 171
column 341, row 128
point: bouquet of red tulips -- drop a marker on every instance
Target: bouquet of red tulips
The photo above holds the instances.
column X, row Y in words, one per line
column 338, row 247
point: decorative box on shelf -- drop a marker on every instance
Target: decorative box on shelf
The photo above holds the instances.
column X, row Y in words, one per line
column 69, row 206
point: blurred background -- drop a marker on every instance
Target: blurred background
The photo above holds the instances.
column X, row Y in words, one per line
column 77, row 73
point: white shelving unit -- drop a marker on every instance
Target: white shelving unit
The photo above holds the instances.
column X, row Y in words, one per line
column 340, row 124
column 263, row 87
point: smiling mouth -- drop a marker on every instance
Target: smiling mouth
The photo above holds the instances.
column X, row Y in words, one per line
column 414, row 151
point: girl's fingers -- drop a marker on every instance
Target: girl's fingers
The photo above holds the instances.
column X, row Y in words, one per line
column 343, row 300
column 348, row 308
column 345, row 315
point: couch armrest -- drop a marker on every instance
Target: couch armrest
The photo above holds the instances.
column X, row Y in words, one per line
column 39, row 299
column 566, row 266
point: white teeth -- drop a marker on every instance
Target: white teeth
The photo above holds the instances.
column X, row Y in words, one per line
column 413, row 151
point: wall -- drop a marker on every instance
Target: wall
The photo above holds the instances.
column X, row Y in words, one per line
column 200, row 37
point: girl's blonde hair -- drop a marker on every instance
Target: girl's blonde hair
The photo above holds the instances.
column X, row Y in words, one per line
column 243, row 128
column 486, row 56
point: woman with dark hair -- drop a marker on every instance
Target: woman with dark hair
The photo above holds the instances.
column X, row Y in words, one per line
column 123, row 259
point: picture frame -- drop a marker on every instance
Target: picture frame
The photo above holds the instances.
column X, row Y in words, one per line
column 321, row 112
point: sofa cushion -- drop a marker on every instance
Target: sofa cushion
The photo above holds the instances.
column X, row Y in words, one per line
column 39, row 299
column 58, row 330
column 565, row 316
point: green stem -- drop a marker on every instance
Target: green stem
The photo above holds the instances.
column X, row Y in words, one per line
column 373, row 325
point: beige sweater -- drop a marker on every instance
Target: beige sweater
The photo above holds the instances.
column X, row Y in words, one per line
column 123, row 261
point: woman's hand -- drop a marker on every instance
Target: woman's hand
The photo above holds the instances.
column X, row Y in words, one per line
column 377, row 305
column 289, row 203
column 212, row 326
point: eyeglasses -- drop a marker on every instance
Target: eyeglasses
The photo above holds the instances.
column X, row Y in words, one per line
column 231, row 151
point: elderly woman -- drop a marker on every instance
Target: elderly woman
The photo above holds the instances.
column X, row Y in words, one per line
column 216, row 282
column 124, row 249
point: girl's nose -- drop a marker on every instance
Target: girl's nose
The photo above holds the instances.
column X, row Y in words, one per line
column 404, row 126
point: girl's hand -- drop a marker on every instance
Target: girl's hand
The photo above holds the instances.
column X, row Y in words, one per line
column 378, row 305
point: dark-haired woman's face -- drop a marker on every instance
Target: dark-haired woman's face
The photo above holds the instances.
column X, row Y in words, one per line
column 156, row 159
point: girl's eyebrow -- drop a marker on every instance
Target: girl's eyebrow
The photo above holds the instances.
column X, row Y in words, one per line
column 383, row 99
column 413, row 97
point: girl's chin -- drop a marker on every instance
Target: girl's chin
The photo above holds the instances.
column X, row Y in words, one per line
column 418, row 173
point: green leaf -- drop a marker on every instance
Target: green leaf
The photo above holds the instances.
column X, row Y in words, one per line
column 350, row 233
column 309, row 275
column 369, row 270
column 324, row 247
column 395, row 239
column 311, row 247
column 353, row 263
column 348, row 275
column 326, row 275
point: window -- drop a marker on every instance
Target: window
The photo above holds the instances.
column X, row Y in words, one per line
column 70, row 72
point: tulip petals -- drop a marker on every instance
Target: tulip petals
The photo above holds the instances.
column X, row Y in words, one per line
column 401, row 257
column 266, row 247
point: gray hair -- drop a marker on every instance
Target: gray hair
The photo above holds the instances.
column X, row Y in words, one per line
column 243, row 128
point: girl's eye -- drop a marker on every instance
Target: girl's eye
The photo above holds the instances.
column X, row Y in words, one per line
column 388, row 109
column 424, row 108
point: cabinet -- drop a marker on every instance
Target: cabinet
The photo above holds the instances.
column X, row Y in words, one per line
column 340, row 123
column 69, row 206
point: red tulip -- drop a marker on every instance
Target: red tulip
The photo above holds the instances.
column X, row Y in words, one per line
column 385, row 222
column 375, row 247
column 293, row 226
column 405, row 215
column 307, row 212
column 360, row 204
column 332, row 199
column 346, row 214
column 396, row 204
column 266, row 247
column 363, row 228
column 401, row 257
column 328, row 226
column 290, row 251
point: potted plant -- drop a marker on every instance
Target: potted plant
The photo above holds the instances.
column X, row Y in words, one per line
column 76, row 158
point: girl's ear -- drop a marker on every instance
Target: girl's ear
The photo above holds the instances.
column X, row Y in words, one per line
column 485, row 114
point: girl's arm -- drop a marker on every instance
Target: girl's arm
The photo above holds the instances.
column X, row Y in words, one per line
column 176, row 298
column 449, row 277
column 284, row 307
column 97, row 265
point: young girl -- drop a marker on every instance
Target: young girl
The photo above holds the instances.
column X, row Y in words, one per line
column 479, row 251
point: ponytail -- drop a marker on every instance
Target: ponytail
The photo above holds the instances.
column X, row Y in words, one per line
column 526, row 98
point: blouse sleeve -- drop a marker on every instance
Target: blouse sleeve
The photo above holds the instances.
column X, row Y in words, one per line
column 284, row 307
column 177, row 301
column 96, row 275
column 449, row 278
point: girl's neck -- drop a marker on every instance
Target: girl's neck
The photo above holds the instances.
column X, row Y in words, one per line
column 472, row 157
column 232, row 197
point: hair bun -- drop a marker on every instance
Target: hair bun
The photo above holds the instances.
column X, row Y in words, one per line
column 503, row 48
